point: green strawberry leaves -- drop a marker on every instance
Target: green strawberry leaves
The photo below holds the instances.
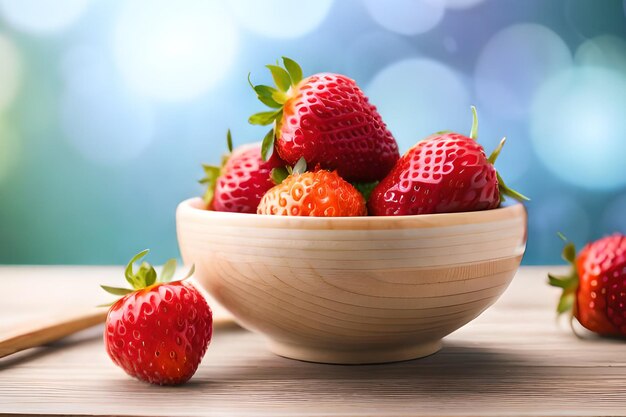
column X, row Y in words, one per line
column 281, row 77
column 116, row 290
column 167, row 273
column 267, row 145
column 504, row 190
column 229, row 141
column 212, row 172
column 568, row 283
column 300, row 166
column 295, row 71
column 278, row 175
column 365, row 188
column 264, row 118
column 145, row 276
column 285, row 79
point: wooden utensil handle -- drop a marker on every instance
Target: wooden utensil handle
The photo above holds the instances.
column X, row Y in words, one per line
column 46, row 331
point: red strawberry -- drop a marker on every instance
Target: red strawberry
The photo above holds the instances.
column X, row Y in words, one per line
column 595, row 290
column 319, row 193
column 327, row 120
column 241, row 181
column 157, row 332
column 444, row 173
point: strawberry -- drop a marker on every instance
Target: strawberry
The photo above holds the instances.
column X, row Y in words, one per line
column 594, row 292
column 157, row 332
column 241, row 181
column 327, row 120
column 319, row 193
column 446, row 172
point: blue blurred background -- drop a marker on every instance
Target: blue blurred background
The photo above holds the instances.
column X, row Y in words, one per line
column 107, row 108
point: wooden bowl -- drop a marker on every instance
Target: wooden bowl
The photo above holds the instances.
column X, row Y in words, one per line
column 353, row 290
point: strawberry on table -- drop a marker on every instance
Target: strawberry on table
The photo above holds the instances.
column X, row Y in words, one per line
column 327, row 120
column 319, row 193
column 241, row 181
column 594, row 292
column 444, row 173
column 158, row 331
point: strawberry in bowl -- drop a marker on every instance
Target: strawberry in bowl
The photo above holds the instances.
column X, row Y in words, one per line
column 327, row 120
column 444, row 173
column 323, row 279
column 242, row 179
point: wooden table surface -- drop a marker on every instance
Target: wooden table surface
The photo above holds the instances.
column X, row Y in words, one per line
column 513, row 360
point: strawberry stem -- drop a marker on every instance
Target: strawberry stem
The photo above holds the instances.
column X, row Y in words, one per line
column 474, row 131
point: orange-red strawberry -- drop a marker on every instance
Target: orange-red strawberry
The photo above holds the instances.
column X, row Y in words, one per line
column 595, row 290
column 158, row 331
column 327, row 120
column 241, row 181
column 319, row 193
column 444, row 173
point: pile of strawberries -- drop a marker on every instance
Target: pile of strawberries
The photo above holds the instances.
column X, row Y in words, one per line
column 158, row 331
column 326, row 122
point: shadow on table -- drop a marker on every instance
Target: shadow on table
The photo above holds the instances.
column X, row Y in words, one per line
column 455, row 368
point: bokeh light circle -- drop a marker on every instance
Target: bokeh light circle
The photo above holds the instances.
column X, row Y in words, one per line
column 605, row 51
column 10, row 72
column 462, row 4
column 417, row 97
column 369, row 53
column 280, row 18
column 407, row 17
column 9, row 149
column 42, row 16
column 578, row 127
column 174, row 52
column 514, row 63
column 99, row 119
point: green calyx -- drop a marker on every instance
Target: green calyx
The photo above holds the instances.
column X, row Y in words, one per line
column 212, row 172
column 285, row 79
column 568, row 283
column 505, row 191
column 279, row 175
column 145, row 276
column 365, row 188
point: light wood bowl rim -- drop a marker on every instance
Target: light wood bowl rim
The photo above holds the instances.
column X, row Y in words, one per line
column 195, row 208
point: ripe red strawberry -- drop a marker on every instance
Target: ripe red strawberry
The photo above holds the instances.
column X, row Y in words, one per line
column 241, row 181
column 157, row 332
column 595, row 290
column 319, row 193
column 444, row 173
column 327, row 120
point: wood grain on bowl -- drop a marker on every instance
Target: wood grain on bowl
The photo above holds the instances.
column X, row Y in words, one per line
column 353, row 290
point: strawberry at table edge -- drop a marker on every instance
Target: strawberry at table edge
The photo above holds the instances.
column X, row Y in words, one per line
column 159, row 330
column 594, row 291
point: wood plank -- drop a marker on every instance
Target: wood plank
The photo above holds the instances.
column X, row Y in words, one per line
column 513, row 360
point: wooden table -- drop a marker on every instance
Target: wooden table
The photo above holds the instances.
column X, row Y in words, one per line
column 512, row 360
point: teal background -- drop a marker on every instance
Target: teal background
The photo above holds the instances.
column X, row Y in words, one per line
column 108, row 108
